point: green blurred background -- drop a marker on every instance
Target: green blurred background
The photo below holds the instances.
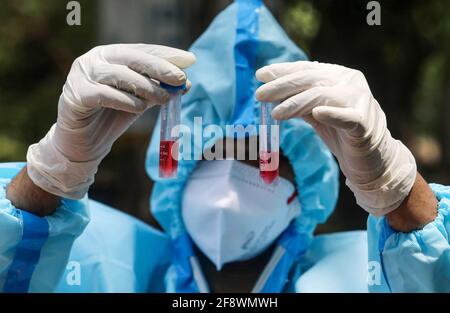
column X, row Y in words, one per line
column 406, row 61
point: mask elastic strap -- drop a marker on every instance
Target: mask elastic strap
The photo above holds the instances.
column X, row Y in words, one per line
column 268, row 269
column 185, row 273
column 291, row 245
column 199, row 278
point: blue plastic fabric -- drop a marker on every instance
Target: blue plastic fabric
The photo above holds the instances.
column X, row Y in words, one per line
column 28, row 252
column 181, row 273
column 245, row 52
column 295, row 244
column 113, row 253
column 172, row 89
column 118, row 253
column 411, row 262
column 137, row 259
column 332, row 263
column 33, row 250
column 241, row 39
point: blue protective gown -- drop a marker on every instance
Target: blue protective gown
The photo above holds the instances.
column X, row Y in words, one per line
column 118, row 253
column 88, row 247
column 141, row 267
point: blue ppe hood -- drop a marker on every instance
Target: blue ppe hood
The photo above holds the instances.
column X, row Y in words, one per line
column 241, row 39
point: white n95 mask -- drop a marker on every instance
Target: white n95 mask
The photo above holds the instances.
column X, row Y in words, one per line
column 231, row 214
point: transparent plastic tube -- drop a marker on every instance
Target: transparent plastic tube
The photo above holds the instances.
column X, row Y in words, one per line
column 269, row 144
column 170, row 116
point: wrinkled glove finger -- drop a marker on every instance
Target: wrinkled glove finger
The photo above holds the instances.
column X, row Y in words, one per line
column 291, row 84
column 178, row 57
column 127, row 80
column 302, row 104
column 277, row 70
column 110, row 97
column 146, row 64
column 341, row 118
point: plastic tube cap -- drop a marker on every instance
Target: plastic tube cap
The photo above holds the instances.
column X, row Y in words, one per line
column 172, row 89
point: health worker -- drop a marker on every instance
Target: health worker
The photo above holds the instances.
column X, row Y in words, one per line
column 223, row 228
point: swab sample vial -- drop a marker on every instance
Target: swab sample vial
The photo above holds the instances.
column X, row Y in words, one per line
column 269, row 144
column 170, row 116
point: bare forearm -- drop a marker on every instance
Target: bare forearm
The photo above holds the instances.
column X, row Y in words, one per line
column 417, row 210
column 25, row 195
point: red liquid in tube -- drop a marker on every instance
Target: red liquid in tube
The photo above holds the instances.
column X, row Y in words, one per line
column 168, row 165
column 170, row 115
column 268, row 166
column 268, row 144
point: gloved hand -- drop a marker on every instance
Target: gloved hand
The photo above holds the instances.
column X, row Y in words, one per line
column 107, row 89
column 338, row 103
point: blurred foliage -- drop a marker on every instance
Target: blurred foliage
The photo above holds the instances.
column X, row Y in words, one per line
column 302, row 22
column 37, row 48
column 431, row 107
column 405, row 60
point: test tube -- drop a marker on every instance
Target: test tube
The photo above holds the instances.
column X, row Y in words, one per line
column 170, row 116
column 269, row 144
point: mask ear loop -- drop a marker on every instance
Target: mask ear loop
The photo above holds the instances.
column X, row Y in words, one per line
column 185, row 274
column 199, row 278
column 274, row 259
column 268, row 269
column 291, row 245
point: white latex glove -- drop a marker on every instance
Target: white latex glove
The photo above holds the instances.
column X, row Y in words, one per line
column 107, row 89
column 338, row 103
